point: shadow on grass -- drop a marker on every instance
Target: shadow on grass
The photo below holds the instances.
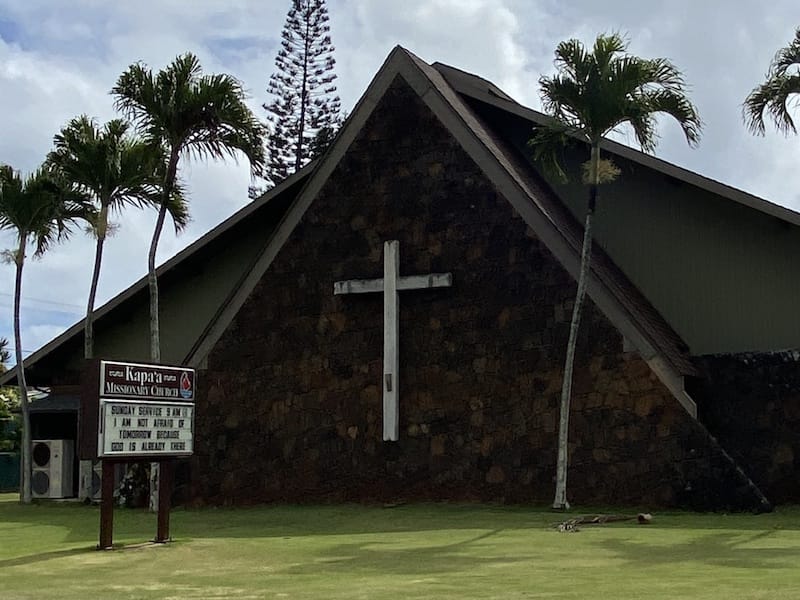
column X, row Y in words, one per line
column 81, row 523
column 43, row 556
column 86, row 550
column 387, row 558
column 717, row 549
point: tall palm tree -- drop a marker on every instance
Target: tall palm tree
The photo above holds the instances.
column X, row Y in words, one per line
column 594, row 93
column 39, row 210
column 115, row 170
column 772, row 96
column 188, row 114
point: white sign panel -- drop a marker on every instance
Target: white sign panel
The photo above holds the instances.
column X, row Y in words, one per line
column 131, row 427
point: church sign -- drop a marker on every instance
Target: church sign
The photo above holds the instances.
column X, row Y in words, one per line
column 134, row 412
column 141, row 410
column 145, row 410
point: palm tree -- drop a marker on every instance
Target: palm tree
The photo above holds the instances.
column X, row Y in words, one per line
column 5, row 355
column 115, row 170
column 772, row 96
column 188, row 114
column 594, row 93
column 39, row 210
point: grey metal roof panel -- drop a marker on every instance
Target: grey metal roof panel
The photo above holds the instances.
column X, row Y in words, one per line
column 480, row 89
column 141, row 285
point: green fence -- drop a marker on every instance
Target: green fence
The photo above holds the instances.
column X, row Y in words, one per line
column 9, row 472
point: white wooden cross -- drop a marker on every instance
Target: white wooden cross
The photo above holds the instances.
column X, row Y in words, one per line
column 390, row 284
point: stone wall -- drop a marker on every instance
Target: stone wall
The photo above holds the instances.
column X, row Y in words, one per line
column 751, row 402
column 289, row 408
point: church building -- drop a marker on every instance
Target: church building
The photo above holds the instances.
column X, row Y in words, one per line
column 390, row 323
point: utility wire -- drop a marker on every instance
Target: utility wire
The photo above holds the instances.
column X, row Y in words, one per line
column 42, row 300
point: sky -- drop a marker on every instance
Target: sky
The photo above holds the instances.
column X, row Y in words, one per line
column 59, row 59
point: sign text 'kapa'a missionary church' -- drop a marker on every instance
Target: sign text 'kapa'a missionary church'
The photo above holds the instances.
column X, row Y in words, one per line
column 130, row 380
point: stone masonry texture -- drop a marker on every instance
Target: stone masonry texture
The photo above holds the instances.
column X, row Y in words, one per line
column 289, row 408
column 751, row 403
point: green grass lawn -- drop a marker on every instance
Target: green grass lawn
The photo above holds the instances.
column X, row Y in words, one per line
column 413, row 551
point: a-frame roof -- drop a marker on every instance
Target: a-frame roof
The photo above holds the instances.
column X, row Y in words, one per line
column 519, row 183
column 446, row 91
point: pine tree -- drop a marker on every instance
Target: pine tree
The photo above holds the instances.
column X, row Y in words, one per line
column 304, row 114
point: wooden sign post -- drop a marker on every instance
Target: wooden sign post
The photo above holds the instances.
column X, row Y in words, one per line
column 136, row 412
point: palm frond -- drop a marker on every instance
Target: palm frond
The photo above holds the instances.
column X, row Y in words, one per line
column 772, row 98
column 41, row 208
column 786, row 58
column 596, row 92
column 178, row 207
column 201, row 116
column 562, row 98
column 774, row 95
column 677, row 106
column 606, row 47
column 549, row 146
column 136, row 98
column 571, row 59
column 115, row 168
column 641, row 121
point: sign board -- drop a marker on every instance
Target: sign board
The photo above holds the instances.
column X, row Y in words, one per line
column 136, row 428
column 132, row 410
column 146, row 382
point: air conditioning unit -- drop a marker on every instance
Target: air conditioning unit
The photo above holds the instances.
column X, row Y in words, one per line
column 52, row 468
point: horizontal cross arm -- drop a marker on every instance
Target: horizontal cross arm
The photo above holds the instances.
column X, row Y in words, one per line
column 413, row 282
column 421, row 282
column 358, row 286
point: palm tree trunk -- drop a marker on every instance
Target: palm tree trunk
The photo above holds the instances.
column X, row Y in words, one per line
column 155, row 333
column 25, row 478
column 560, row 501
column 152, row 280
column 88, row 332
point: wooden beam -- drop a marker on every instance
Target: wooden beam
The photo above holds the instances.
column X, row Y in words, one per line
column 412, row 282
column 391, row 346
column 107, row 507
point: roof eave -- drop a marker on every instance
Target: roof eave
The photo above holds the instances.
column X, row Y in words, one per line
column 642, row 158
column 9, row 377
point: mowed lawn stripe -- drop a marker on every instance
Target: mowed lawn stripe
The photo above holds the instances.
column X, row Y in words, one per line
column 411, row 551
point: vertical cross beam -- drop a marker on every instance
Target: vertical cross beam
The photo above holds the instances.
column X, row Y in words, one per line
column 391, row 350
